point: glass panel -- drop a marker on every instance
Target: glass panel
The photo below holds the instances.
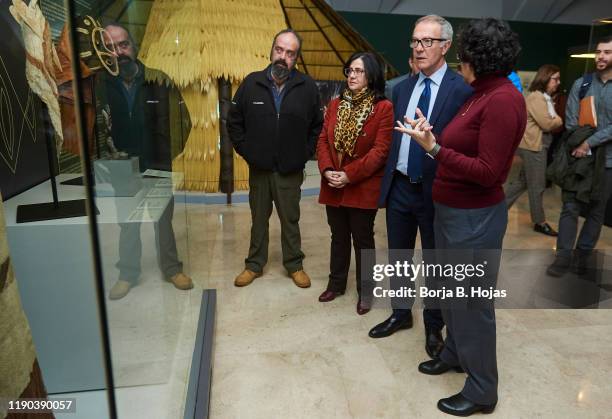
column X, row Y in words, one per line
column 49, row 303
column 143, row 121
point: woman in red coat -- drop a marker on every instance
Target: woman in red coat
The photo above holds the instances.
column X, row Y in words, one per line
column 352, row 151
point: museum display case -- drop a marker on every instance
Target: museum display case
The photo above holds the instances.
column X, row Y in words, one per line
column 97, row 230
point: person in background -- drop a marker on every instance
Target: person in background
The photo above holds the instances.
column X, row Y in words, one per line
column 390, row 84
column 474, row 155
column 351, row 152
column 598, row 93
column 516, row 80
column 533, row 149
column 274, row 122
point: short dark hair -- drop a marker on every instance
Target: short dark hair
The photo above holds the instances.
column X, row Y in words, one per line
column 489, row 45
column 542, row 77
column 284, row 31
column 373, row 71
column 603, row 40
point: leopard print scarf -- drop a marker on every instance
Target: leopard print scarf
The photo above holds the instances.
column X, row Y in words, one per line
column 353, row 111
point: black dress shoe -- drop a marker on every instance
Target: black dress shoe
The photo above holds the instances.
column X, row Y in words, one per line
column 437, row 367
column 545, row 229
column 434, row 343
column 458, row 405
column 390, row 326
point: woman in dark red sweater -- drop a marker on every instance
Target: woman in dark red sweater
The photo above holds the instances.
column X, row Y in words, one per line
column 474, row 155
column 352, row 151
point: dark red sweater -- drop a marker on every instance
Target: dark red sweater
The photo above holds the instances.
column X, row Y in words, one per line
column 478, row 145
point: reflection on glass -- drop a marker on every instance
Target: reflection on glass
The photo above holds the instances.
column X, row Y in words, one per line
column 137, row 116
column 48, row 299
column 141, row 126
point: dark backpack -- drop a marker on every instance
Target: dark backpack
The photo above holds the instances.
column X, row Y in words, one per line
column 584, row 87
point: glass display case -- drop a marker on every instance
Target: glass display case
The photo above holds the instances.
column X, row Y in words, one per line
column 95, row 206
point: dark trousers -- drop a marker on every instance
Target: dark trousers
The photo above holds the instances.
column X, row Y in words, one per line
column 591, row 229
column 346, row 223
column 410, row 209
column 470, row 332
column 282, row 190
column 130, row 248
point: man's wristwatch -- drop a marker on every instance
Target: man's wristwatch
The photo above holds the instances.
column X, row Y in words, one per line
column 434, row 151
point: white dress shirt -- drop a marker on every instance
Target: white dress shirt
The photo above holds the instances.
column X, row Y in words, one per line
column 436, row 80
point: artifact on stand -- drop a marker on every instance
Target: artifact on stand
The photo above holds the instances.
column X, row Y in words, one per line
column 42, row 61
column 94, row 55
column 42, row 69
column 108, row 125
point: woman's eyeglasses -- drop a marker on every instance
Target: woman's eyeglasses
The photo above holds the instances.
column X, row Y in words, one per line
column 358, row 71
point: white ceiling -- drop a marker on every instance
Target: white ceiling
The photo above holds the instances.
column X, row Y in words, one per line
column 581, row 12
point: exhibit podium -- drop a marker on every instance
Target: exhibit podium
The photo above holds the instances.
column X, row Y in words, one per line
column 54, row 269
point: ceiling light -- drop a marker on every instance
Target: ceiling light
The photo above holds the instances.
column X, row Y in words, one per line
column 588, row 55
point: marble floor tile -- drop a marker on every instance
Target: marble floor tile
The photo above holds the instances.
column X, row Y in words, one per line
column 269, row 326
column 327, row 382
column 279, row 353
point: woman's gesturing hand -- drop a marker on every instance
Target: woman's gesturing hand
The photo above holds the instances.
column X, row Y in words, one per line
column 419, row 130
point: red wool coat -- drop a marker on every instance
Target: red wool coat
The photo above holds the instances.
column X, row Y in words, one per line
column 365, row 169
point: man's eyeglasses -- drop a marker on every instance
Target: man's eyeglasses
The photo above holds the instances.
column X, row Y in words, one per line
column 425, row 42
column 357, row 71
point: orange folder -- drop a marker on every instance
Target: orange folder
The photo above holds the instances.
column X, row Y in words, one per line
column 586, row 113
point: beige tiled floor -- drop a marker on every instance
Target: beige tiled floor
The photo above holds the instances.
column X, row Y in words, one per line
column 279, row 353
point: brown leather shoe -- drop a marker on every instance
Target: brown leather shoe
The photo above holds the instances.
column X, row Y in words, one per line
column 182, row 281
column 327, row 296
column 119, row 290
column 301, row 279
column 246, row 277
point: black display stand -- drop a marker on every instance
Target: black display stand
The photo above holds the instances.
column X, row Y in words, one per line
column 75, row 181
column 51, row 210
